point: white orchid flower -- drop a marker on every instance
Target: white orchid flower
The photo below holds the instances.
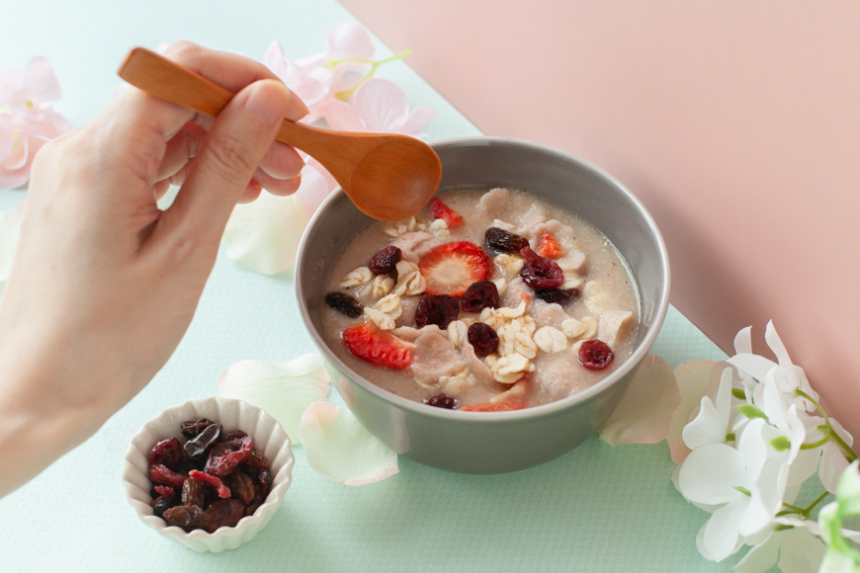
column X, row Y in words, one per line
column 718, row 420
column 791, row 545
column 841, row 556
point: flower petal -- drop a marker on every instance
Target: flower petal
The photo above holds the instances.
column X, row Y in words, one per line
column 710, row 473
column 41, row 84
column 645, row 410
column 721, row 538
column 381, row 105
column 760, row 557
column 418, row 118
column 338, row 447
column 800, row 551
column 712, row 423
column 743, row 341
column 342, row 116
column 315, row 186
column 775, row 342
column 848, row 491
column 348, row 40
column 833, row 464
column 285, row 390
column 263, row 235
column 694, row 381
column 753, row 364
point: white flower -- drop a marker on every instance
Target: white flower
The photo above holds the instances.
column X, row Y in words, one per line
column 796, row 550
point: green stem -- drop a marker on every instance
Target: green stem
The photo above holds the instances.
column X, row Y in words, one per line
column 829, row 434
column 802, row 511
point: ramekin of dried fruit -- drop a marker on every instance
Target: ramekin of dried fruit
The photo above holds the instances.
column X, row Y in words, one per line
column 208, row 474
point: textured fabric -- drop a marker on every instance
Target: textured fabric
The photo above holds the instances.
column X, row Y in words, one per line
column 597, row 509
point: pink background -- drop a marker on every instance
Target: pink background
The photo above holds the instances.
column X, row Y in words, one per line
column 737, row 123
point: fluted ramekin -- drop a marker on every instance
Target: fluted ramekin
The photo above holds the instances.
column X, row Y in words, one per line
column 269, row 438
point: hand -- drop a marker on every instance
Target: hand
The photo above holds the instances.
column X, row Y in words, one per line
column 104, row 285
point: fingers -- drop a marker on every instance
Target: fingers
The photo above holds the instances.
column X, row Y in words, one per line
column 239, row 139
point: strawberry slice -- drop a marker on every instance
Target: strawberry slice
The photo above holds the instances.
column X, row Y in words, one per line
column 439, row 210
column 513, row 399
column 453, row 267
column 549, row 247
column 377, row 346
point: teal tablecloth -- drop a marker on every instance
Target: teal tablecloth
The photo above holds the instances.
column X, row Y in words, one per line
column 596, row 509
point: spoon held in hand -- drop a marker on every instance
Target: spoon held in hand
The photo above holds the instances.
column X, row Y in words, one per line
column 387, row 176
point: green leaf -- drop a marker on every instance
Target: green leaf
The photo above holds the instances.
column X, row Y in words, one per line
column 780, row 443
column 751, row 411
column 739, row 393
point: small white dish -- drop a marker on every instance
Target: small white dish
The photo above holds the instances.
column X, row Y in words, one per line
column 269, row 438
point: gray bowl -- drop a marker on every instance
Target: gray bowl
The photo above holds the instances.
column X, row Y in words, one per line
column 482, row 442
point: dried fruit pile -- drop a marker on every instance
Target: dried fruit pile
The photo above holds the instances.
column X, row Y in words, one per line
column 211, row 480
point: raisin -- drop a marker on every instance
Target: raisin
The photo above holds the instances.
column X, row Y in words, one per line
column 344, row 304
column 480, row 295
column 558, row 296
column 264, row 480
column 441, row 401
column 483, row 339
column 385, row 261
column 595, row 354
column 257, row 461
column 540, row 273
column 187, row 465
column 226, row 456
column 223, row 490
column 166, row 452
column 242, row 486
column 166, row 492
column 224, row 513
column 159, row 506
column 188, row 517
column 163, row 475
column 439, row 309
column 234, row 435
column 191, row 428
column 193, row 492
column 502, row 241
column 196, row 447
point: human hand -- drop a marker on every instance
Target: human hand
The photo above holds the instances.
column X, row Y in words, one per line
column 104, row 285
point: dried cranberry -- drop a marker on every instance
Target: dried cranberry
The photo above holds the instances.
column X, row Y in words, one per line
column 223, row 490
column 193, row 492
column 483, row 339
column 558, row 296
column 159, row 506
column 344, row 304
column 166, row 452
column 595, row 354
column 196, row 447
column 163, row 475
column 166, row 492
column 385, row 261
column 226, row 456
column 191, row 428
column 188, row 517
column 502, row 241
column 257, row 461
column 234, row 435
column 441, row 401
column 224, row 513
column 439, row 309
column 242, row 486
column 480, row 295
column 540, row 273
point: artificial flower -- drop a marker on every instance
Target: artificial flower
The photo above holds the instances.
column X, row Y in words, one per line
column 793, row 547
column 338, row 447
column 27, row 120
column 10, row 230
column 841, row 556
column 285, row 390
column 642, row 415
column 694, row 379
column 380, row 106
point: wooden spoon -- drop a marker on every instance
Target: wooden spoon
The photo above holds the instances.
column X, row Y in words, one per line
column 388, row 176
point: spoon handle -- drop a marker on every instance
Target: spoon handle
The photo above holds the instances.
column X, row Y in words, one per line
column 156, row 75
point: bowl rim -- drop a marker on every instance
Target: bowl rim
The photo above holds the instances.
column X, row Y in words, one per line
column 270, row 504
column 533, row 412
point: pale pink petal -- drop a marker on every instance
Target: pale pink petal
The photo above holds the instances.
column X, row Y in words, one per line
column 16, row 157
column 348, row 40
column 695, row 379
column 645, row 410
column 41, row 85
column 13, row 84
column 347, row 75
column 418, row 118
column 314, row 188
column 330, row 181
column 342, row 116
column 338, row 447
column 307, row 88
column 381, row 105
column 274, row 59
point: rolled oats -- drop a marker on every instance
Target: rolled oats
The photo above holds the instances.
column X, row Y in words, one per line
column 501, row 286
column 390, row 305
column 550, row 339
column 439, row 228
column 379, row 318
column 359, row 276
column 458, row 333
column 509, row 369
column 511, row 265
column 382, row 285
column 410, row 281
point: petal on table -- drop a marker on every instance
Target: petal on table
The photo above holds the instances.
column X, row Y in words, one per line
column 710, row 473
column 338, row 447
column 264, row 235
column 694, row 381
column 645, row 410
column 285, row 390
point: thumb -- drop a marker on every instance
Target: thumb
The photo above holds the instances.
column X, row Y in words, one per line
column 239, row 138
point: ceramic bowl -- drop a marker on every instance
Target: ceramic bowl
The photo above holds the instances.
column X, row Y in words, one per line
column 481, row 442
column 269, row 438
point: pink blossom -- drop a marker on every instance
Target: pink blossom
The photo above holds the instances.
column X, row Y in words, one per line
column 27, row 120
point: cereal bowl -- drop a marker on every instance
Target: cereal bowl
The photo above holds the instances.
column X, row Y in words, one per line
column 494, row 442
column 269, row 437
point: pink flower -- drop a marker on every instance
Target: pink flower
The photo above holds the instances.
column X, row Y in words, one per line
column 27, row 120
column 378, row 105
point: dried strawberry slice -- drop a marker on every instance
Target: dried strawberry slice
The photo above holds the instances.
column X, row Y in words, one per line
column 163, row 475
column 548, row 247
column 223, row 490
column 539, row 272
column 226, row 456
column 595, row 354
column 451, row 268
column 439, row 210
column 378, row 346
column 166, row 452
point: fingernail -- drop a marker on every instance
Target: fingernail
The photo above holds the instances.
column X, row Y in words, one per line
column 268, row 99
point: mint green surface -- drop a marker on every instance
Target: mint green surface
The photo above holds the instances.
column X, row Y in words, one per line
column 597, row 509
